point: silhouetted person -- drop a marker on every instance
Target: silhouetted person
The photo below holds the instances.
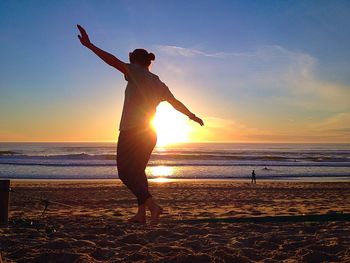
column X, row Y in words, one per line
column 253, row 177
column 137, row 139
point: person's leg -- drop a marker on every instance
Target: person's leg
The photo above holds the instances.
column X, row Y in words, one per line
column 146, row 141
column 134, row 153
column 149, row 143
column 126, row 149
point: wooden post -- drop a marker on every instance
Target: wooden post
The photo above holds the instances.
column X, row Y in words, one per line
column 4, row 201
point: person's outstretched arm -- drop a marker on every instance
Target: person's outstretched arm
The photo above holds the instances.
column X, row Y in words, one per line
column 179, row 106
column 105, row 56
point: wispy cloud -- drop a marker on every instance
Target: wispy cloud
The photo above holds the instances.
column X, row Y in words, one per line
column 220, row 129
column 190, row 52
column 278, row 84
column 265, row 52
column 338, row 122
column 288, row 76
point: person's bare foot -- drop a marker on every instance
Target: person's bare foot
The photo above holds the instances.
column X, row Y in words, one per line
column 140, row 219
column 140, row 216
column 155, row 214
column 155, row 210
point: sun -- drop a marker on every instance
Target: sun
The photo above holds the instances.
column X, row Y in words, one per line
column 170, row 125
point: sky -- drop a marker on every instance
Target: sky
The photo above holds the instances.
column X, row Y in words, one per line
column 255, row 71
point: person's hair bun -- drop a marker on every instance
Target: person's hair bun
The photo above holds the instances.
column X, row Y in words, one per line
column 151, row 56
column 142, row 57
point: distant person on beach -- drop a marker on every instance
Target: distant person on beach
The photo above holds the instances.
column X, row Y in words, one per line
column 253, row 177
column 137, row 139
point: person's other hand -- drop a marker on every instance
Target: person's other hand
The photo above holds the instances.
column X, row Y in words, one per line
column 198, row 120
column 83, row 37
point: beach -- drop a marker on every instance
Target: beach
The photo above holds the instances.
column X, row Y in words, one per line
column 86, row 221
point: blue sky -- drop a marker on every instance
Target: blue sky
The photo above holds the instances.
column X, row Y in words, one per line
column 255, row 70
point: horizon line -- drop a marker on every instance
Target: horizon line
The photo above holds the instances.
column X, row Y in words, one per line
column 237, row 142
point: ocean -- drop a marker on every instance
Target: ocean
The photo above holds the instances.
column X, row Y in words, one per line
column 311, row 162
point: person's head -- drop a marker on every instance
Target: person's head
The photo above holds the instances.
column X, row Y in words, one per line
column 142, row 57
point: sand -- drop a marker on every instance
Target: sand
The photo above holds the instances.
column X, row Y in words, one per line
column 93, row 228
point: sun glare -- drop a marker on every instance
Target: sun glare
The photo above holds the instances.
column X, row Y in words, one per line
column 161, row 173
column 162, row 180
column 170, row 125
column 161, row 170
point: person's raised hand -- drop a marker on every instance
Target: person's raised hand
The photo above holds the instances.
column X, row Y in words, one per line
column 198, row 120
column 83, row 37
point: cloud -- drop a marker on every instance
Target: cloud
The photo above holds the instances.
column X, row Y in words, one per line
column 220, row 129
column 338, row 123
column 266, row 88
column 284, row 76
column 190, row 52
column 267, row 52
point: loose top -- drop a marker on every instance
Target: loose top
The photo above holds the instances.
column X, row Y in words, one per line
column 143, row 93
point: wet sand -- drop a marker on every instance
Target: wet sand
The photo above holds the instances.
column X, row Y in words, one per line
column 92, row 227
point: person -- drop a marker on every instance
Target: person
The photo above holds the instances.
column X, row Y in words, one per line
column 136, row 141
column 253, row 177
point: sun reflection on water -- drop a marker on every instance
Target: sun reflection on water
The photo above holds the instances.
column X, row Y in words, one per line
column 162, row 180
column 161, row 173
column 161, row 170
